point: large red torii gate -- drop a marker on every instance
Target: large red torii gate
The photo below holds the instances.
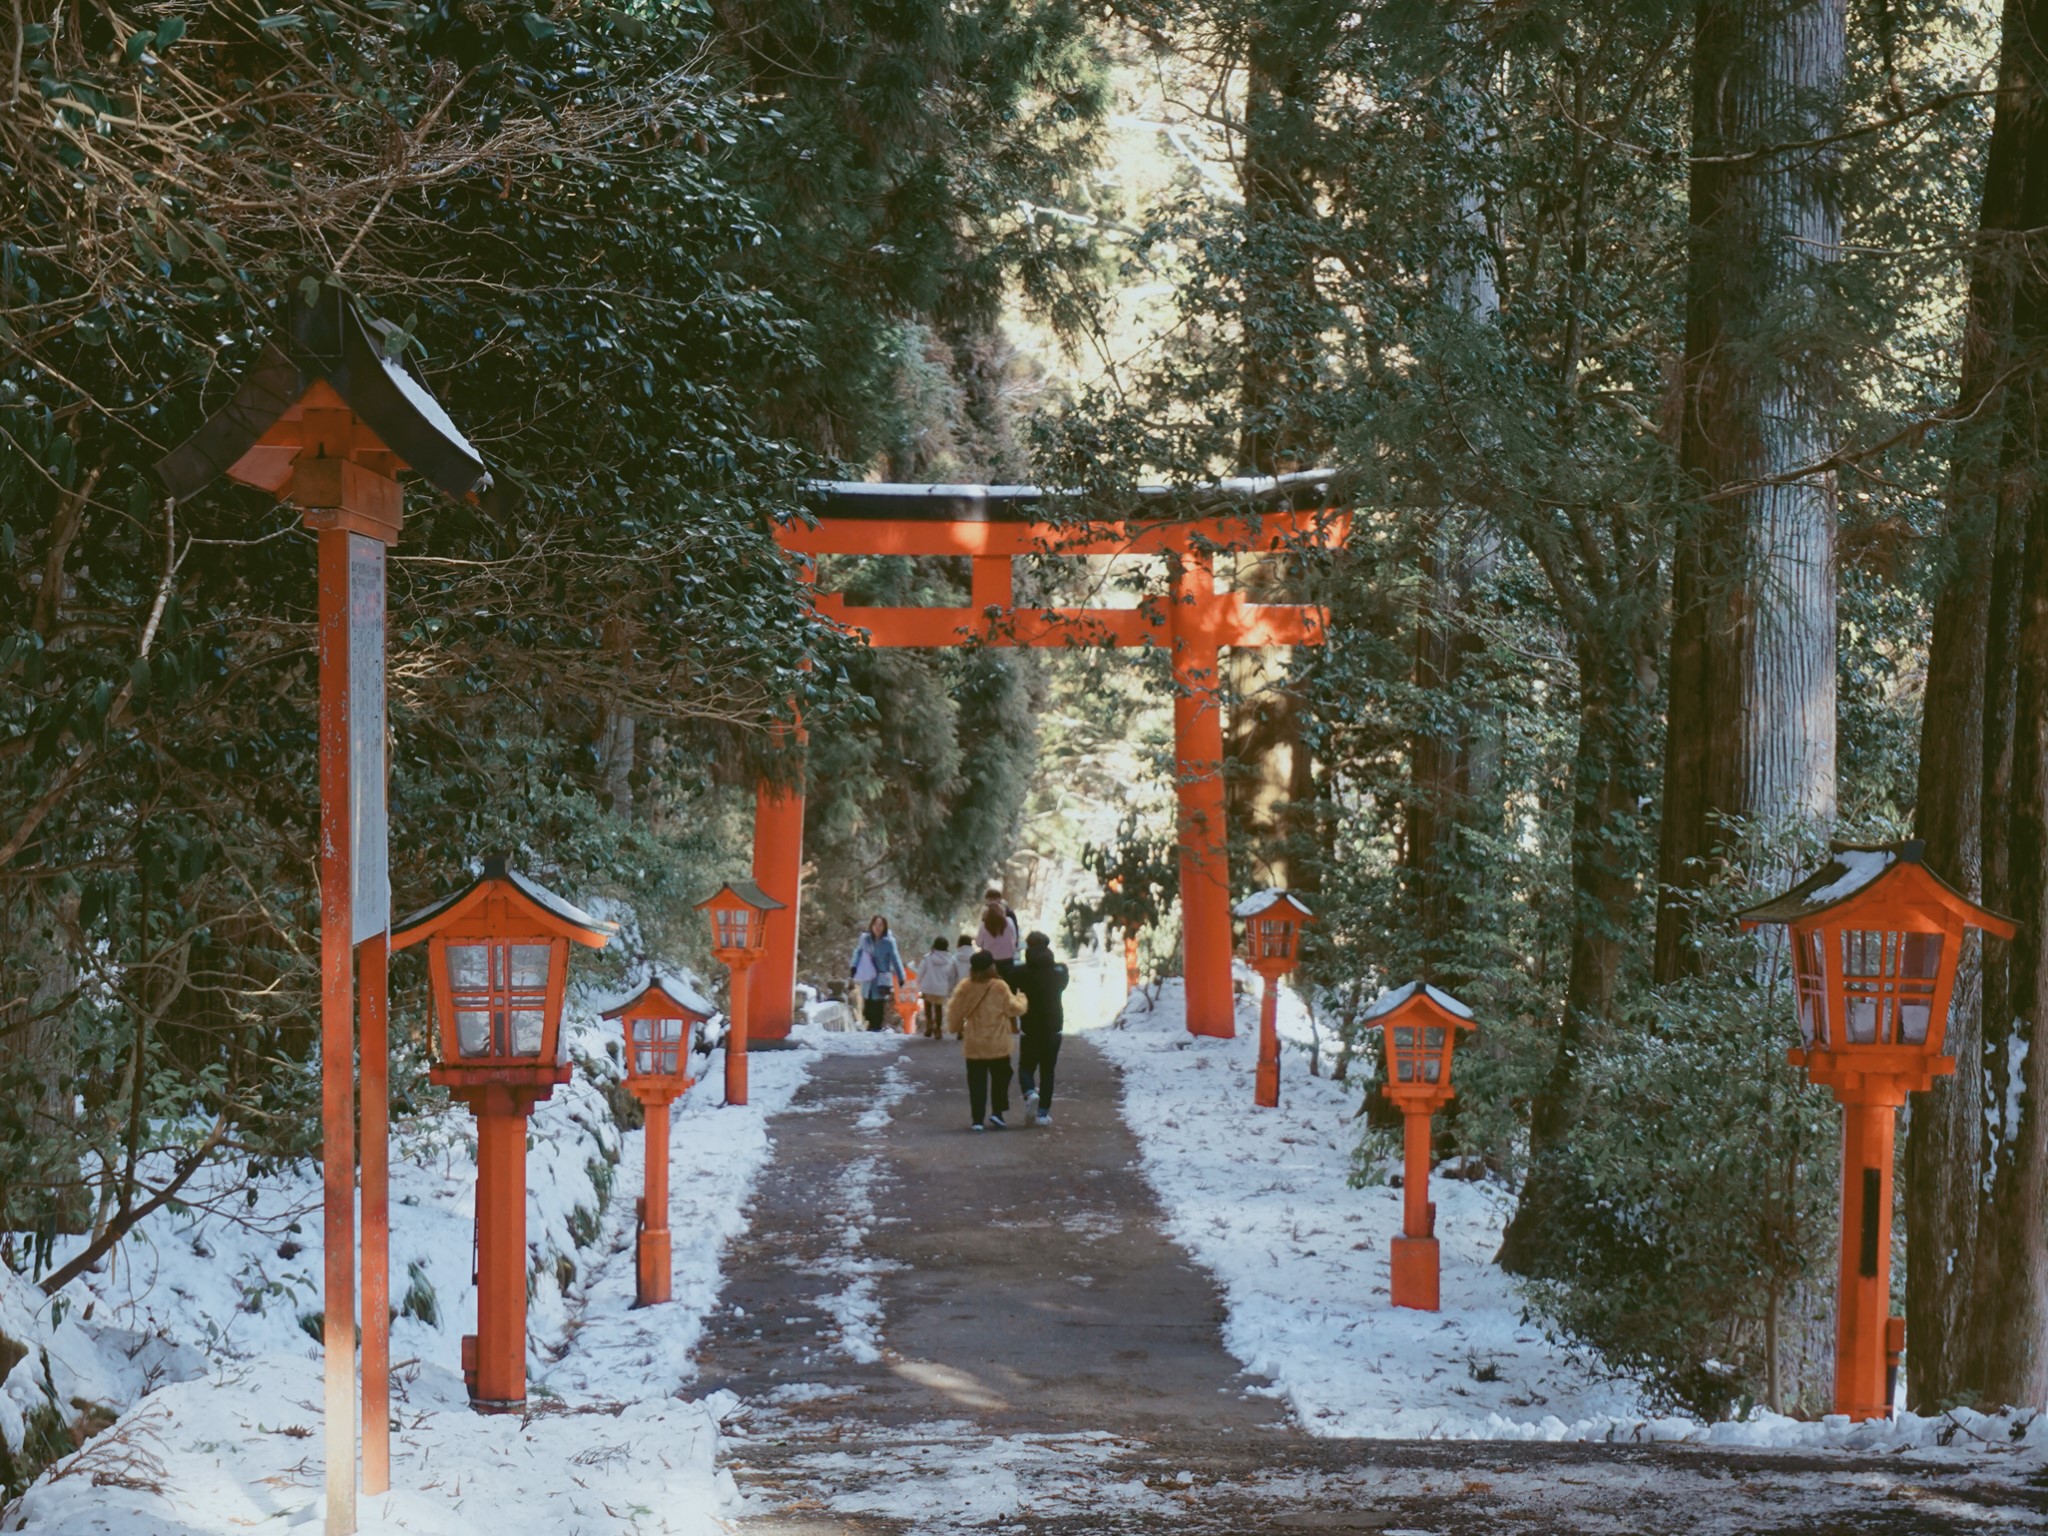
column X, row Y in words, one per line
column 992, row 526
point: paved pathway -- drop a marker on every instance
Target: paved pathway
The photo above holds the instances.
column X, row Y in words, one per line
column 937, row 1331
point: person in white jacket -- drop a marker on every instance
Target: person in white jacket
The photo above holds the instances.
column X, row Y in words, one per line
column 935, row 983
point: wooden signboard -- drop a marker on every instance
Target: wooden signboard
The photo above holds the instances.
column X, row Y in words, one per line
column 368, row 825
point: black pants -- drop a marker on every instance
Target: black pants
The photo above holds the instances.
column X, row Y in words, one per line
column 877, row 1011
column 988, row 1086
column 1037, row 1055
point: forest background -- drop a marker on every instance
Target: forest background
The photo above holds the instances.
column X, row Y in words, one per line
column 1687, row 366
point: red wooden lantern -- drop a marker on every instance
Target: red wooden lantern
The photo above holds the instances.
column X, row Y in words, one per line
column 1273, row 922
column 1876, row 937
column 739, row 937
column 498, row 964
column 658, row 1021
column 1421, row 1025
column 909, row 1000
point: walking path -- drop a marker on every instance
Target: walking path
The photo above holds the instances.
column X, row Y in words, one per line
column 937, row 1331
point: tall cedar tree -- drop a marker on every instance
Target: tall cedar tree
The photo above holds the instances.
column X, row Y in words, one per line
column 1750, row 730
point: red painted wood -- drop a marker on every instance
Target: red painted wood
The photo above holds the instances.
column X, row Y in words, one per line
column 373, row 985
column 337, row 1041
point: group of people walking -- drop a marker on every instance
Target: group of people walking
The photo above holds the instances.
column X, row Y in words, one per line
column 992, row 989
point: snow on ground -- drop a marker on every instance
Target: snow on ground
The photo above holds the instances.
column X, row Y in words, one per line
column 1262, row 1199
column 940, row 1476
column 215, row 1308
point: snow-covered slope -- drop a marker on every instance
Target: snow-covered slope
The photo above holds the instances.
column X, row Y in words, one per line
column 1262, row 1199
column 608, row 1445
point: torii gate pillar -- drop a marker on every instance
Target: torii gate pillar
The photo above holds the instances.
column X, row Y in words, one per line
column 778, row 870
column 1198, row 773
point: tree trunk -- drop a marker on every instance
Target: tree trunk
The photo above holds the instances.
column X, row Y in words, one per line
column 1453, row 759
column 1609, row 784
column 1268, row 772
column 1751, row 730
column 2008, row 1322
column 1944, row 1135
column 1452, row 763
column 37, row 1062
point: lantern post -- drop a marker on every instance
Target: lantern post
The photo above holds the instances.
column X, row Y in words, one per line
column 739, row 938
column 1421, row 1024
column 498, row 966
column 659, row 1021
column 327, row 421
column 1273, row 922
column 1876, row 937
column 908, row 1002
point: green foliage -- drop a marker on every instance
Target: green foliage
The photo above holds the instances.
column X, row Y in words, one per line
column 912, row 812
column 1701, row 1185
column 567, row 219
column 1138, row 880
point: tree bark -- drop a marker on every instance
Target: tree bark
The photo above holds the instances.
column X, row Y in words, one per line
column 2008, row 1318
column 1268, row 776
column 1751, row 728
column 1944, row 1136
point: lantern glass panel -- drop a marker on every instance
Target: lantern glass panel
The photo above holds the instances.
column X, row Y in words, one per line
column 1404, row 1053
column 1888, row 981
column 469, row 990
column 1919, row 964
column 499, row 995
column 729, row 927
column 657, row 1046
column 1810, row 987
column 1433, row 1054
column 1276, row 939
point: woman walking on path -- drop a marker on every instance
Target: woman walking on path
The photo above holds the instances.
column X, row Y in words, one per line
column 998, row 937
column 935, row 981
column 983, row 1012
column 1042, row 980
column 877, row 970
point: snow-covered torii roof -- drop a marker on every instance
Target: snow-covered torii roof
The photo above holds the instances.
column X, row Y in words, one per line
column 663, row 987
column 1388, row 1001
column 1307, row 490
column 1854, row 870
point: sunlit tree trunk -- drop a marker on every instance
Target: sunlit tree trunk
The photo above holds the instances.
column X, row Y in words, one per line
column 1751, row 729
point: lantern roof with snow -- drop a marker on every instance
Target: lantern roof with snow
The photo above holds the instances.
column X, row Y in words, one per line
column 1862, row 877
column 1399, row 997
column 666, row 994
column 743, row 891
column 324, row 342
column 1261, row 902
column 555, row 915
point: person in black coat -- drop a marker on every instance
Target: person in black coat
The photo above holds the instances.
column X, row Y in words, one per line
column 1041, row 979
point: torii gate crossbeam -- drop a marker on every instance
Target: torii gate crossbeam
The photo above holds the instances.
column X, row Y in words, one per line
column 992, row 526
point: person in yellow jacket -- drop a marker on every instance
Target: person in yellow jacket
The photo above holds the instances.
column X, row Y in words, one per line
column 983, row 1012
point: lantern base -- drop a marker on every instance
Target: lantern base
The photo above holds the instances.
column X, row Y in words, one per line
column 653, row 1286
column 1416, row 1270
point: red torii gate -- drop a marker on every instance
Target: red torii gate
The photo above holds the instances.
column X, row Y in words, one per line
column 992, row 526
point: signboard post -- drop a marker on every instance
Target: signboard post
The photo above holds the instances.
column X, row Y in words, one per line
column 324, row 419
